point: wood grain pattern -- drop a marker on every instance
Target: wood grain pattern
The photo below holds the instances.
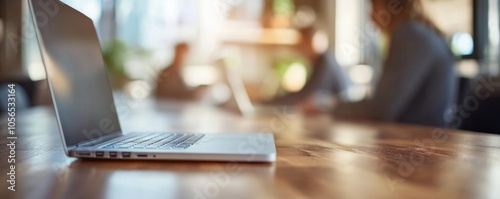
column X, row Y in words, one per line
column 318, row 157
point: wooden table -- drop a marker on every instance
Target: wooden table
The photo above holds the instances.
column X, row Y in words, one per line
column 317, row 158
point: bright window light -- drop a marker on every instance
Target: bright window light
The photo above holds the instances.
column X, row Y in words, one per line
column 494, row 31
column 361, row 74
column 347, row 31
column 36, row 71
column 295, row 77
column 200, row 75
column 462, row 44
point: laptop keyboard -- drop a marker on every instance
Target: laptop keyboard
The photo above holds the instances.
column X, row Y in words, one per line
column 155, row 141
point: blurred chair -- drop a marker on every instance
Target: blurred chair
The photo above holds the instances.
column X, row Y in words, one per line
column 465, row 85
column 486, row 118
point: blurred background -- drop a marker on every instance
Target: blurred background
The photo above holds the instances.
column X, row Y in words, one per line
column 260, row 37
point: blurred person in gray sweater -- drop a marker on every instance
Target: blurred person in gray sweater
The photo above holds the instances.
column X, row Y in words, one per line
column 418, row 82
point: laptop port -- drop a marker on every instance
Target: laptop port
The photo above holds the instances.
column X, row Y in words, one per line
column 99, row 154
column 84, row 153
column 126, row 154
column 142, row 155
column 113, row 154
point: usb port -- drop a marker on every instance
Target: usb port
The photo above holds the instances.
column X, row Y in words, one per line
column 113, row 154
column 99, row 154
column 126, row 154
column 142, row 155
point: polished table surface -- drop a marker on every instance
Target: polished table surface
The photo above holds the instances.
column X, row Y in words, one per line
column 318, row 157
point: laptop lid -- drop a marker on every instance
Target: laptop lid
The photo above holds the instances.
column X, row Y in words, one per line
column 239, row 95
column 76, row 72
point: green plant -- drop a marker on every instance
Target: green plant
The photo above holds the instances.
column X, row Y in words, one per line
column 283, row 7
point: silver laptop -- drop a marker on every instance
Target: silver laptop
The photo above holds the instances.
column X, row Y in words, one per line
column 240, row 99
column 85, row 109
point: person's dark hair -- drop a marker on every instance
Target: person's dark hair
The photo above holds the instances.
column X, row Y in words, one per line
column 417, row 13
column 414, row 9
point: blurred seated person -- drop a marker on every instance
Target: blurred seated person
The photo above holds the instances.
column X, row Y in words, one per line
column 327, row 77
column 171, row 84
column 418, row 82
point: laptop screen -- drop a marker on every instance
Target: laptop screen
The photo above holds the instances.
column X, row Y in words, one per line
column 76, row 72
